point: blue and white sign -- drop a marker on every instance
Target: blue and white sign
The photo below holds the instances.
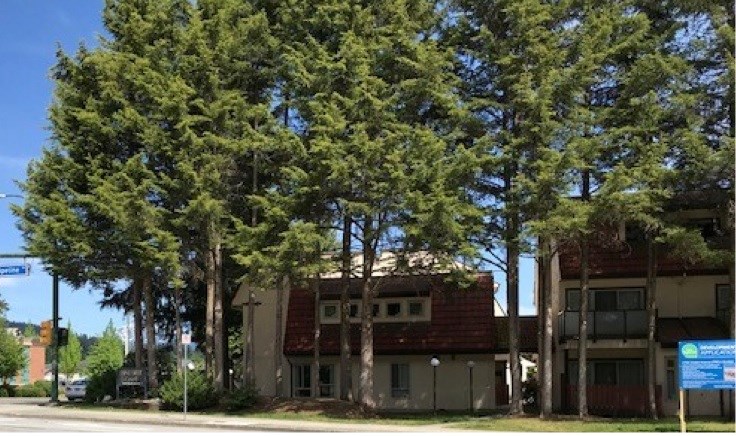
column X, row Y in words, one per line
column 15, row 270
column 707, row 364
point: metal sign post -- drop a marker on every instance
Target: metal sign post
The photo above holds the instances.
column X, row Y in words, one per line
column 186, row 339
column 708, row 365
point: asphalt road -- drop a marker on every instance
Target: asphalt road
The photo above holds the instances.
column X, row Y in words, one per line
column 18, row 424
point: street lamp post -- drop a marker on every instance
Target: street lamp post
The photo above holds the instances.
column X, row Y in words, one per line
column 435, row 362
column 471, row 364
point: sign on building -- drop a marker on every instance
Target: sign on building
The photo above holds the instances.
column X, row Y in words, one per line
column 707, row 364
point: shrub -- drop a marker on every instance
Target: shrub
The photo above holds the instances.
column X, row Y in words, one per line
column 200, row 392
column 100, row 385
column 45, row 385
column 4, row 392
column 242, row 398
column 29, row 391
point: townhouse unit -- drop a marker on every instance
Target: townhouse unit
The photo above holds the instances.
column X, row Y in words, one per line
column 435, row 345
column 692, row 302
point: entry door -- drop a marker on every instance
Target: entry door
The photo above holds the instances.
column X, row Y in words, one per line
column 302, row 380
column 327, row 380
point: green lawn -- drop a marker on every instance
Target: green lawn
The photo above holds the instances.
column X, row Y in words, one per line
column 488, row 423
column 594, row 425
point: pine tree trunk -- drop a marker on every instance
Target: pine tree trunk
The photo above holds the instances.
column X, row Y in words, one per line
column 317, row 334
column 178, row 328
column 219, row 328
column 583, row 326
column 540, row 262
column 138, row 322
column 279, row 341
column 209, row 339
column 546, row 348
column 345, row 367
column 366, row 346
column 512, row 288
column 652, row 323
column 512, row 254
column 250, row 373
column 583, row 329
column 150, row 332
column 249, row 352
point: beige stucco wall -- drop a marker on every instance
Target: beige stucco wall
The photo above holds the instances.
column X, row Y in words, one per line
column 680, row 296
column 453, row 381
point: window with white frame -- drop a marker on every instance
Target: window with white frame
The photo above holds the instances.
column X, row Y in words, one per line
column 393, row 309
column 327, row 380
column 400, row 380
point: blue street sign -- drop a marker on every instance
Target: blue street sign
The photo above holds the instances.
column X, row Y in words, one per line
column 15, row 270
column 707, row 364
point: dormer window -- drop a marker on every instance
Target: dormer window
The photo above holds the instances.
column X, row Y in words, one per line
column 393, row 309
column 416, row 308
column 329, row 311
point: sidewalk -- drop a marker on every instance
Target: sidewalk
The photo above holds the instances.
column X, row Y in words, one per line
column 42, row 410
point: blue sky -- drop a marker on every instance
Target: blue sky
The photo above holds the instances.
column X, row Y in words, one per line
column 29, row 33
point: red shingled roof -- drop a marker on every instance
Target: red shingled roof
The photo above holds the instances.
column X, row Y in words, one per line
column 462, row 322
column 528, row 327
column 672, row 330
column 625, row 261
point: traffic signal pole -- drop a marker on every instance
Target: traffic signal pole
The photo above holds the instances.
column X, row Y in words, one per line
column 55, row 340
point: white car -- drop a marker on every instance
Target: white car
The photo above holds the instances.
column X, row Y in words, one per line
column 76, row 389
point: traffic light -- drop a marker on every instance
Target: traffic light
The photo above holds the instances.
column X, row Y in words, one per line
column 62, row 336
column 46, row 333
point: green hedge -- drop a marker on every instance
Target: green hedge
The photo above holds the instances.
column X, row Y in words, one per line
column 45, row 385
column 30, row 391
column 242, row 398
column 200, row 392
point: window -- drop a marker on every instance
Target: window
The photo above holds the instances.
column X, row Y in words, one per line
column 393, row 309
column 399, row 380
column 327, row 381
column 607, row 299
column 354, row 310
column 302, row 380
column 376, row 310
column 416, row 308
column 671, row 380
column 329, row 311
column 629, row 372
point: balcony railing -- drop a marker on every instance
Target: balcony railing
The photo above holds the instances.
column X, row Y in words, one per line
column 608, row 324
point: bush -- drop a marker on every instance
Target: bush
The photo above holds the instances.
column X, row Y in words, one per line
column 100, row 385
column 200, row 392
column 4, row 392
column 45, row 385
column 30, row 391
column 242, row 398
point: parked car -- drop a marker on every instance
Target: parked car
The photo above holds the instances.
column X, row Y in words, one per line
column 76, row 390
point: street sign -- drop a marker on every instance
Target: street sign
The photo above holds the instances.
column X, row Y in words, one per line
column 186, row 339
column 707, row 364
column 15, row 270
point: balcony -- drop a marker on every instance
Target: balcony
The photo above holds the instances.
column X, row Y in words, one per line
column 608, row 324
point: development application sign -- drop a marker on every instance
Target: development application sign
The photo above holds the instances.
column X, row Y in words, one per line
column 707, row 364
column 15, row 270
